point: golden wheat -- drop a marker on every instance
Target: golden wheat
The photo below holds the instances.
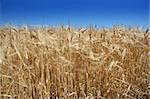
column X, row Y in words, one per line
column 67, row 63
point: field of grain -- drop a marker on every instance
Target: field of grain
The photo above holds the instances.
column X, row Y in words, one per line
column 69, row 63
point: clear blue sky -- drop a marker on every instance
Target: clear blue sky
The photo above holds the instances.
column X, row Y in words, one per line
column 79, row 12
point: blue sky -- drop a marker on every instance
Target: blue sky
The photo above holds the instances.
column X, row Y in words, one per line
column 77, row 12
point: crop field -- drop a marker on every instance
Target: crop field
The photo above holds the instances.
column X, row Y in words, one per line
column 74, row 63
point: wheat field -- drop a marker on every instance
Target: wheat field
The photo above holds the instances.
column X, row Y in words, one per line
column 70, row 63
